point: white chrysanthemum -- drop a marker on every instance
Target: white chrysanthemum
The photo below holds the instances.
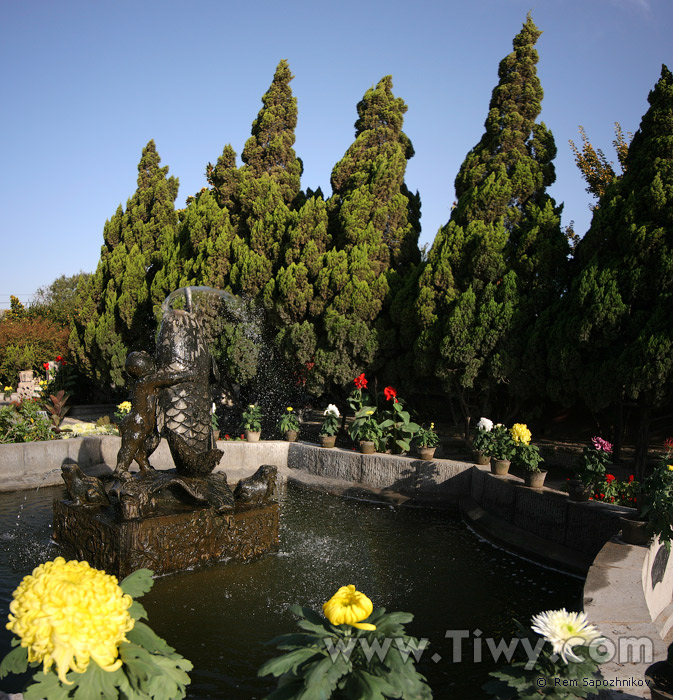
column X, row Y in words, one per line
column 565, row 630
column 485, row 424
column 333, row 410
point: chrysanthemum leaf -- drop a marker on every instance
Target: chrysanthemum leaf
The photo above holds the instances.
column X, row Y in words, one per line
column 16, row 661
column 322, row 677
column 144, row 636
column 171, row 682
column 287, row 663
column 137, row 611
column 46, row 685
column 97, row 684
column 138, row 583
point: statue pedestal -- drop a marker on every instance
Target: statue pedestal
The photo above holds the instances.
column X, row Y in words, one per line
column 166, row 542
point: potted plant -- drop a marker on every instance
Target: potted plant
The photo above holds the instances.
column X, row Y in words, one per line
column 370, row 433
column 288, row 425
column 397, row 426
column 656, row 500
column 502, row 449
column 482, row 441
column 330, row 426
column 215, row 423
column 527, row 456
column 590, row 470
column 659, row 677
column 427, row 441
column 252, row 422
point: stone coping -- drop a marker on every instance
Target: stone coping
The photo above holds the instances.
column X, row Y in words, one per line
column 628, row 588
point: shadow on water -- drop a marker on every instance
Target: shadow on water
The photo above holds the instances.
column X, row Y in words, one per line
column 421, row 561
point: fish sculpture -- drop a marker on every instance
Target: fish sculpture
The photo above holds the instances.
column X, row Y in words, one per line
column 185, row 406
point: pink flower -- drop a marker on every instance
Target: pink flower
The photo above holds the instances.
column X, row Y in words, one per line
column 601, row 445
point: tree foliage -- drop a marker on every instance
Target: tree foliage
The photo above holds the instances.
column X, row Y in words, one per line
column 501, row 257
column 597, row 171
column 613, row 336
column 116, row 307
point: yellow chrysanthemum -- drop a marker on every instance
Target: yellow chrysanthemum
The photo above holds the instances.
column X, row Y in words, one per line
column 124, row 406
column 290, row 409
column 670, row 467
column 68, row 613
column 349, row 607
column 8, row 389
column 520, row 433
column 432, row 426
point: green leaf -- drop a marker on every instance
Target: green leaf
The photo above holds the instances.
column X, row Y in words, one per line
column 46, row 685
column 97, row 684
column 171, row 681
column 137, row 611
column 322, row 677
column 16, row 661
column 138, row 583
column 144, row 636
column 287, row 663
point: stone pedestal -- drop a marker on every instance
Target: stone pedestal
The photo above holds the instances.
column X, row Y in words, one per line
column 188, row 537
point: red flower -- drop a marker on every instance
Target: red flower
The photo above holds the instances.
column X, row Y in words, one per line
column 227, row 436
column 360, row 382
column 45, row 365
column 59, row 358
column 242, row 436
column 609, row 478
column 390, row 393
column 602, row 495
column 631, row 479
column 668, row 443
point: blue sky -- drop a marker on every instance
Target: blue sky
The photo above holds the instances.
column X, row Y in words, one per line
column 87, row 84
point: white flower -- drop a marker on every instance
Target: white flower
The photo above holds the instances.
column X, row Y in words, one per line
column 213, row 408
column 565, row 630
column 332, row 409
column 485, row 424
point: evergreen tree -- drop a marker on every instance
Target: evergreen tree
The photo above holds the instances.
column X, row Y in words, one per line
column 613, row 336
column 116, row 309
column 501, row 258
column 374, row 225
column 268, row 183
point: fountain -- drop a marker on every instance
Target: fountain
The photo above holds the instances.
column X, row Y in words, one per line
column 171, row 520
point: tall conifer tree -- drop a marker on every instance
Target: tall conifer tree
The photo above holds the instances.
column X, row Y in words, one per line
column 613, row 336
column 501, row 258
column 116, row 306
column 374, row 225
column 268, row 184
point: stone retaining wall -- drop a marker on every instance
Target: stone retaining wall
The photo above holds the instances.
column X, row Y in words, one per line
column 627, row 590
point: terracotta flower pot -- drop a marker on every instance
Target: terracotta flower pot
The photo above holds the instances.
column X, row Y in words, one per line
column 634, row 531
column 252, row 435
column 534, row 480
column 499, row 466
column 426, row 453
column 481, row 459
column 291, row 435
column 327, row 440
column 367, row 447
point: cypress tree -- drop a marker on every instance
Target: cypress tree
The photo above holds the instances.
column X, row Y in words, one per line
column 613, row 339
column 374, row 226
column 116, row 306
column 500, row 260
column 268, row 183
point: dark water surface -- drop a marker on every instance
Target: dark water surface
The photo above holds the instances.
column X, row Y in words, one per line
column 420, row 561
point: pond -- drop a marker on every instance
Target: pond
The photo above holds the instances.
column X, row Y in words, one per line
column 421, row 561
